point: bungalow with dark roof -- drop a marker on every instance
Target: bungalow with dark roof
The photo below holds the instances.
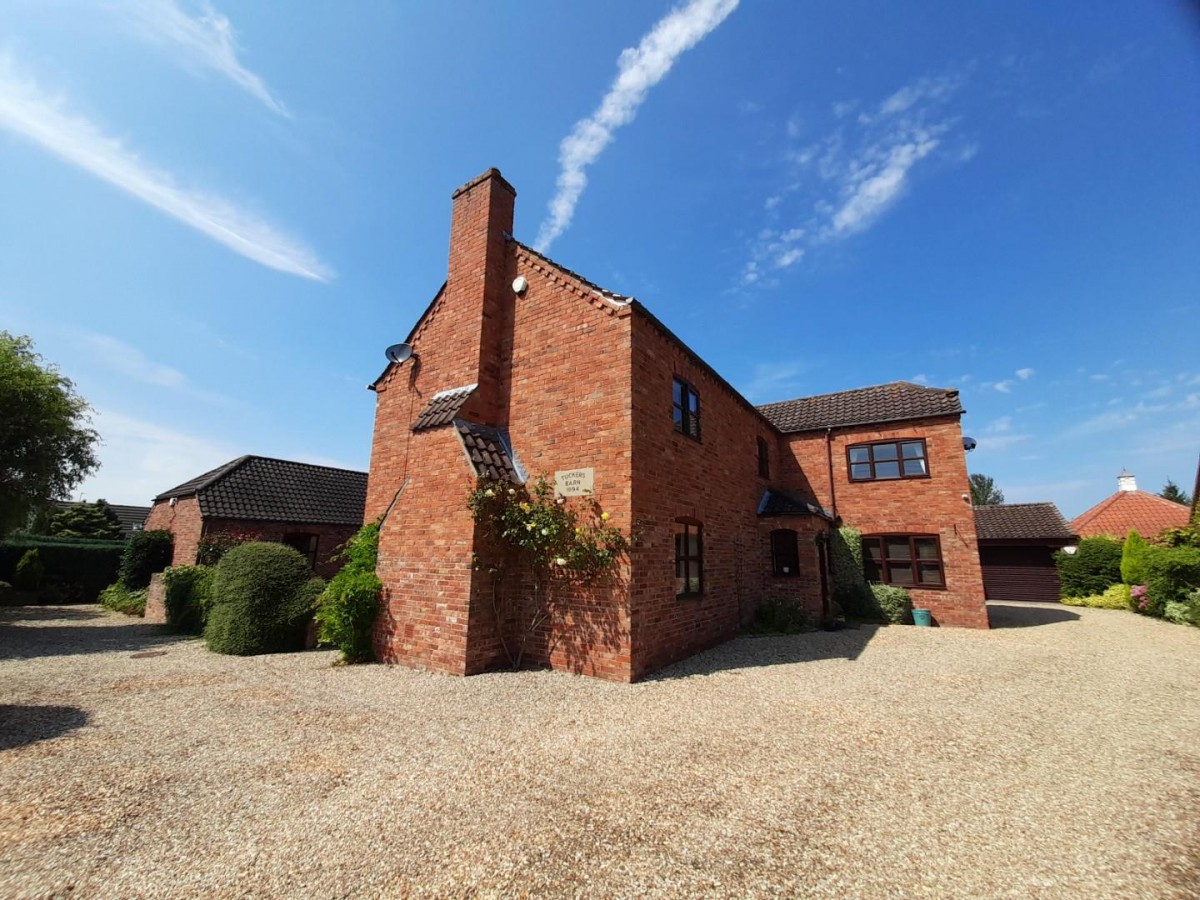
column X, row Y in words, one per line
column 312, row 508
column 521, row 367
column 1017, row 542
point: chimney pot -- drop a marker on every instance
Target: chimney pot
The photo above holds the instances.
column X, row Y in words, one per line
column 1126, row 482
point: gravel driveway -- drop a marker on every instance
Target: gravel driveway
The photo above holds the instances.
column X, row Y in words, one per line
column 1058, row 756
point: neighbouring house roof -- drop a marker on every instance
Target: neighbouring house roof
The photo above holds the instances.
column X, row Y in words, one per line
column 894, row 402
column 277, row 490
column 1041, row 522
column 775, row 502
column 490, row 452
column 443, row 407
column 1126, row 511
column 131, row 517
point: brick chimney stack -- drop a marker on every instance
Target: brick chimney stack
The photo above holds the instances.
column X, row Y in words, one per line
column 480, row 282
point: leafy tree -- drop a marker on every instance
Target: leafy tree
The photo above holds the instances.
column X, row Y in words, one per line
column 87, row 520
column 1171, row 491
column 46, row 448
column 984, row 491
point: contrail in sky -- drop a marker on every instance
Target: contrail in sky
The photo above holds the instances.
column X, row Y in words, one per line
column 639, row 69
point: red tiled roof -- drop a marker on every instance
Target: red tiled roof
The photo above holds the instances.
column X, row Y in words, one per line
column 1126, row 511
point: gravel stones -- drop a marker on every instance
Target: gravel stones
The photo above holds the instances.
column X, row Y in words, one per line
column 1057, row 756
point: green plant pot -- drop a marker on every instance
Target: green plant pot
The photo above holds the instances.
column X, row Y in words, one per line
column 922, row 618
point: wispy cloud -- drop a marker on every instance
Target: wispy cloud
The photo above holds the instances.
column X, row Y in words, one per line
column 1004, row 387
column 206, row 39
column 843, row 184
column 1025, row 374
column 775, row 381
column 639, row 69
column 27, row 111
column 131, row 362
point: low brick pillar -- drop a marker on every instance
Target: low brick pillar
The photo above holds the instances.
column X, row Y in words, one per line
column 156, row 600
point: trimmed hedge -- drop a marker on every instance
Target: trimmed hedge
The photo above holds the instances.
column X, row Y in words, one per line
column 187, row 595
column 850, row 590
column 1172, row 573
column 146, row 552
column 1091, row 569
column 347, row 608
column 892, row 603
column 74, row 570
column 262, row 600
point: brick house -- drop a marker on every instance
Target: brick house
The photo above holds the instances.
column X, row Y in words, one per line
column 312, row 508
column 520, row 366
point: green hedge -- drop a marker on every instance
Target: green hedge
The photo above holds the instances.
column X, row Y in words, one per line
column 146, row 552
column 73, row 570
column 262, row 600
column 346, row 610
column 1116, row 597
column 892, row 603
column 850, row 590
column 1172, row 573
column 1092, row 569
column 187, row 592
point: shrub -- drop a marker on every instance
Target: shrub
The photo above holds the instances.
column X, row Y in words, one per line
column 1184, row 612
column 1091, row 569
column 74, row 569
column 30, row 571
column 187, row 595
column 775, row 616
column 1116, row 597
column 262, row 599
column 1172, row 573
column 1184, row 536
column 850, row 589
column 146, row 552
column 347, row 608
column 892, row 603
column 216, row 544
column 1133, row 559
column 121, row 599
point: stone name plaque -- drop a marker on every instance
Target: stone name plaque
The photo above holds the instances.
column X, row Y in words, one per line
column 574, row 482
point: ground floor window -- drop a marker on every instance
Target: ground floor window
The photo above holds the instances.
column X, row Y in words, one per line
column 306, row 544
column 689, row 558
column 785, row 553
column 907, row 559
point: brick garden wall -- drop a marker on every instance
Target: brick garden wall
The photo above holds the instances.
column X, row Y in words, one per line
column 185, row 524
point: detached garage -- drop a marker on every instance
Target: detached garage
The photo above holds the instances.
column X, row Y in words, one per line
column 1016, row 546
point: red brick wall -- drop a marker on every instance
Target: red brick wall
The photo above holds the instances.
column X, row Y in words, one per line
column 184, row 522
column 714, row 481
column 933, row 505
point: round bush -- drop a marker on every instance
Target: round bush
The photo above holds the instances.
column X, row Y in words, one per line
column 262, row 600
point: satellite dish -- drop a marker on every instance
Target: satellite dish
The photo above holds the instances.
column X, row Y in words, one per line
column 969, row 444
column 398, row 353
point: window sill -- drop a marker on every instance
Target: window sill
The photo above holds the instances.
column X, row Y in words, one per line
column 699, row 596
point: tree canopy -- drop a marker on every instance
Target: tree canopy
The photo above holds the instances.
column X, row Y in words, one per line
column 984, row 491
column 1173, row 492
column 46, row 446
column 86, row 520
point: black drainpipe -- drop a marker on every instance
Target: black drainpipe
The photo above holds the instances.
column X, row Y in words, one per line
column 829, row 460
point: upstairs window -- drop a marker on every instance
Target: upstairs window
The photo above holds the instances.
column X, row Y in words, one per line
column 686, row 409
column 785, row 553
column 764, row 459
column 888, row 460
column 913, row 560
column 689, row 558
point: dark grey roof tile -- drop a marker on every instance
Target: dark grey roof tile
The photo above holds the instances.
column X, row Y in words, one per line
column 490, row 452
column 775, row 502
column 1021, row 521
column 894, row 402
column 443, row 407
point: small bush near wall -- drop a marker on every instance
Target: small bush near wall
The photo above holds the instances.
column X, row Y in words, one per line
column 775, row 616
column 262, row 600
column 892, row 603
column 121, row 599
column 1090, row 570
column 850, row 590
column 146, row 552
column 187, row 593
column 1116, row 597
column 347, row 608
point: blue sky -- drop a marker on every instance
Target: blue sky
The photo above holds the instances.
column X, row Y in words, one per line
column 215, row 216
